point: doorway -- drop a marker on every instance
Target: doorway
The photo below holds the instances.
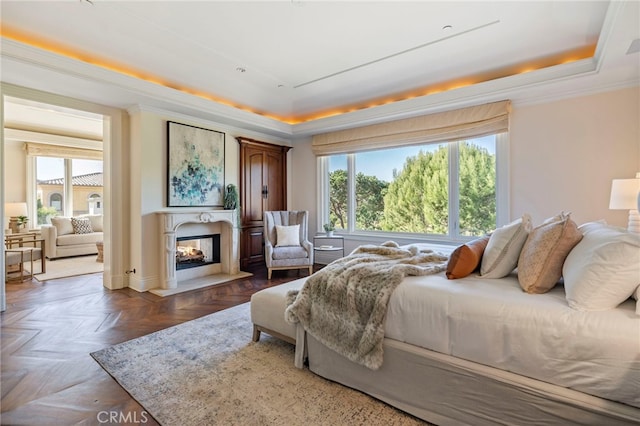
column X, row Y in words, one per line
column 15, row 176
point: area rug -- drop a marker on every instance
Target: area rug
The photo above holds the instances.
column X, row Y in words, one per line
column 69, row 267
column 208, row 372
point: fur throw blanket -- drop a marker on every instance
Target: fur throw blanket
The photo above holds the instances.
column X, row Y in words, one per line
column 344, row 305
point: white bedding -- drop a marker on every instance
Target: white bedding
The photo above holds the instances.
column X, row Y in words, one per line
column 495, row 323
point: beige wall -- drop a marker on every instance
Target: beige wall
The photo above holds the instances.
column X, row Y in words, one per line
column 564, row 155
column 303, row 193
column 15, row 170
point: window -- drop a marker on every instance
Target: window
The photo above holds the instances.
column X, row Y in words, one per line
column 67, row 186
column 55, row 201
column 449, row 191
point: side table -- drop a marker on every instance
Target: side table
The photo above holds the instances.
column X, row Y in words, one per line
column 100, row 247
column 327, row 249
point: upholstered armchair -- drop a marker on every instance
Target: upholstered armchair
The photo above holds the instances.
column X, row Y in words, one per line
column 285, row 241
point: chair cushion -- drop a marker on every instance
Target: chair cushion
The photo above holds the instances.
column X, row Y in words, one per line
column 289, row 252
column 77, row 239
column 13, row 258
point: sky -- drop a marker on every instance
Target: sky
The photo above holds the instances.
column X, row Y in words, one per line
column 53, row 168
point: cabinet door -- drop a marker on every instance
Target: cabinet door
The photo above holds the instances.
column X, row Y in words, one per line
column 255, row 170
column 252, row 245
column 263, row 181
column 274, row 181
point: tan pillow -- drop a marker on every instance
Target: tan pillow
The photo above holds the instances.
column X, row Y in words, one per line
column 503, row 249
column 544, row 252
column 62, row 224
column 466, row 258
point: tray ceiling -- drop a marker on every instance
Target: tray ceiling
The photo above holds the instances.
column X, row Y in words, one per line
column 299, row 60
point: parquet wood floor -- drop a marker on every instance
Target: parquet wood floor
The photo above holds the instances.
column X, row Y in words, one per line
column 49, row 329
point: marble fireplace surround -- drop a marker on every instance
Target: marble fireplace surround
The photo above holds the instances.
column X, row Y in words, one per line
column 223, row 221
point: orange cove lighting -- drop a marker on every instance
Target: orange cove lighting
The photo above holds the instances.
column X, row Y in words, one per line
column 558, row 59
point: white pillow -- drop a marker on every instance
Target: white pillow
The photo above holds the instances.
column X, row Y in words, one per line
column 96, row 222
column 602, row 270
column 63, row 225
column 503, row 249
column 287, row 235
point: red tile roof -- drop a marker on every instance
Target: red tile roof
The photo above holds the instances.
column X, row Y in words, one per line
column 91, row 179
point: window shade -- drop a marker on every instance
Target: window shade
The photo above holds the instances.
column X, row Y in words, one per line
column 45, row 150
column 471, row 122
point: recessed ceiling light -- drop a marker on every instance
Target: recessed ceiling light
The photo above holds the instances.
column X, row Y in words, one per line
column 447, row 27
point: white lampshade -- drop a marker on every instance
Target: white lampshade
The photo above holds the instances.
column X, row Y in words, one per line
column 625, row 195
column 15, row 209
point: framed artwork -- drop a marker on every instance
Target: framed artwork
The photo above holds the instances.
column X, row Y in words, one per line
column 195, row 175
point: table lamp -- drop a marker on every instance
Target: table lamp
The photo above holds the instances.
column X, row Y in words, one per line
column 16, row 213
column 625, row 195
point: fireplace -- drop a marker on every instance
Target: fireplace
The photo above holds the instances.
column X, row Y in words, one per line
column 179, row 226
column 197, row 250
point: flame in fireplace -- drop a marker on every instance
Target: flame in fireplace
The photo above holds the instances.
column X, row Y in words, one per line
column 188, row 254
column 187, row 250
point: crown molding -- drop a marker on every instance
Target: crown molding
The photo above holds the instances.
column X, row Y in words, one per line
column 51, row 139
column 207, row 123
column 152, row 92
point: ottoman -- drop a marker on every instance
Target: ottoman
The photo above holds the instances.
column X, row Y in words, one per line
column 267, row 311
column 267, row 315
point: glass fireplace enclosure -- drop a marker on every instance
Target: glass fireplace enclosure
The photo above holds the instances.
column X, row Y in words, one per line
column 195, row 251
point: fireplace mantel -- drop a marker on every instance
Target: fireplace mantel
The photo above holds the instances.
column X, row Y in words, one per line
column 171, row 220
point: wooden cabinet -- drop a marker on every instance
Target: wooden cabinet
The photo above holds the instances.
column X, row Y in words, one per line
column 263, row 187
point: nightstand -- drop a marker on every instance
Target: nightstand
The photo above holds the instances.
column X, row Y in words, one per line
column 327, row 249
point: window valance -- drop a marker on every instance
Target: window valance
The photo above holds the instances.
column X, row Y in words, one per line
column 45, row 150
column 476, row 121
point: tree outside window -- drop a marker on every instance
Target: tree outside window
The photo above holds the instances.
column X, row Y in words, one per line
column 408, row 190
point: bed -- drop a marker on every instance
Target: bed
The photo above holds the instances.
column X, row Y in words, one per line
column 505, row 344
column 487, row 353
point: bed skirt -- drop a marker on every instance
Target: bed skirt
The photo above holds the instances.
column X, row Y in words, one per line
column 445, row 390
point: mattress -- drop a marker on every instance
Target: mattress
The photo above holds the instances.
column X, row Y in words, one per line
column 494, row 323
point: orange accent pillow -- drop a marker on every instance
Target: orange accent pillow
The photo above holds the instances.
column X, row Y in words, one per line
column 466, row 258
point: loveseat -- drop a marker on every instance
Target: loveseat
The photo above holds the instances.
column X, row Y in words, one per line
column 72, row 236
